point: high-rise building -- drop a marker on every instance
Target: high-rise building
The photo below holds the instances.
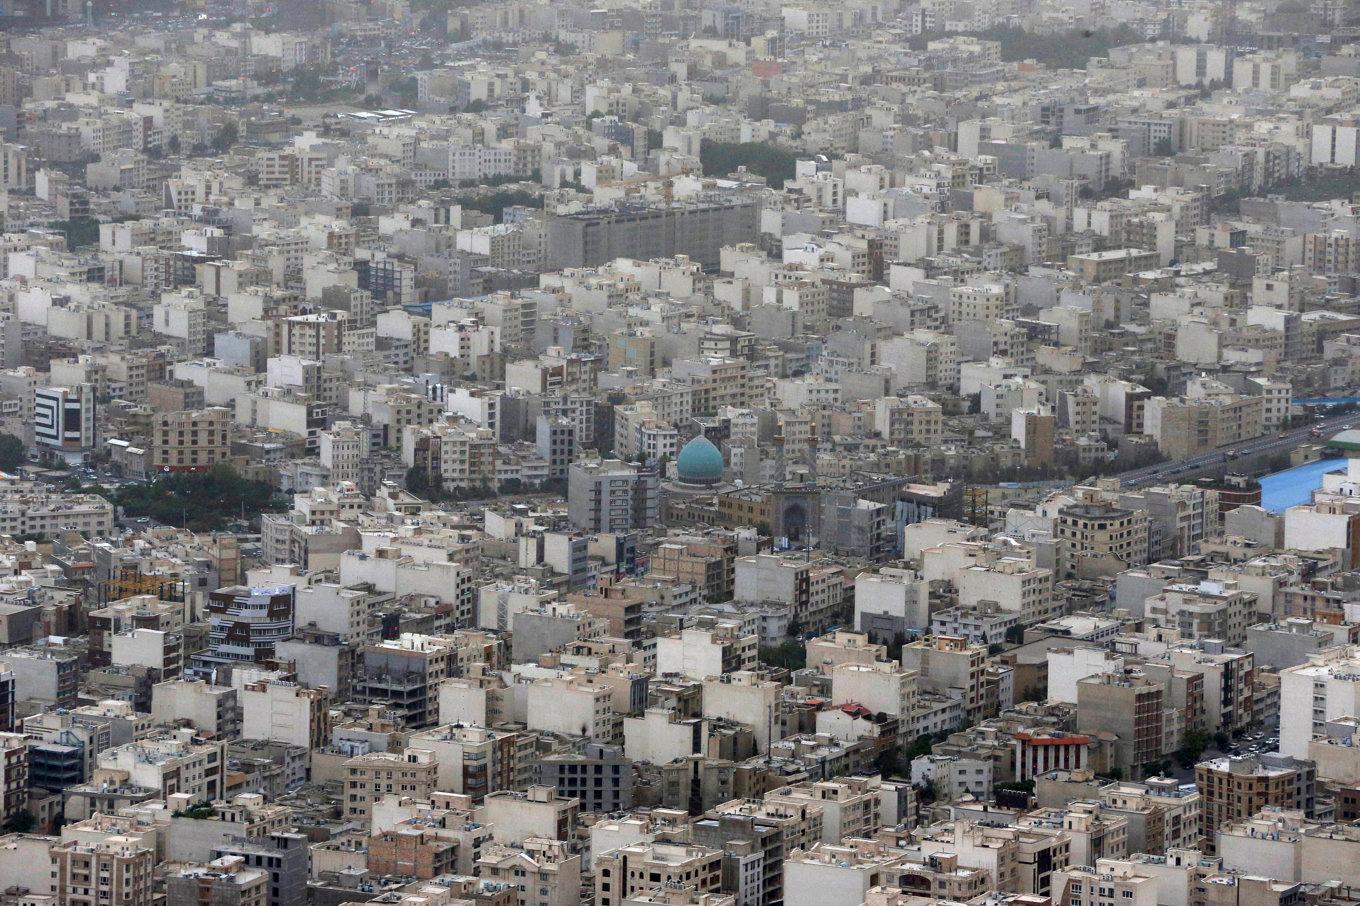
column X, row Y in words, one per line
column 116, row 871
column 178, row 763
column 284, row 857
column 370, row 777
column 697, row 229
column 404, row 675
column 1233, row 789
column 7, row 698
column 643, row 867
column 1325, row 688
column 190, row 440
column 1129, row 706
column 708, row 564
column 225, row 881
column 1097, row 539
column 64, row 418
column 285, row 712
column 341, row 450
column 553, row 865
column 244, row 624
column 13, row 775
column 599, row 777
column 950, row 666
column 612, row 496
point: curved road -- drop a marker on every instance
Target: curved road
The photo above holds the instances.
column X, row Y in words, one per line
column 1186, row 468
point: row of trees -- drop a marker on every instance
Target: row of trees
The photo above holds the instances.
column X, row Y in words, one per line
column 199, row 501
column 761, row 158
column 1060, row 49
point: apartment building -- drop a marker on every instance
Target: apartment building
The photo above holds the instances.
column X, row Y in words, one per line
column 13, row 775
column 643, row 867
column 1162, row 813
column 225, row 881
column 612, row 496
column 1234, row 789
column 1093, row 539
column 756, row 836
column 699, row 653
column 541, row 871
column 1130, row 707
column 813, row 592
column 1325, row 688
column 950, row 666
column 368, row 778
column 116, row 871
column 473, row 760
column 285, row 712
column 709, row 564
column 244, row 624
column 536, row 813
column 850, row 806
column 404, row 675
column 908, row 421
column 178, row 763
column 190, row 440
column 1107, row 881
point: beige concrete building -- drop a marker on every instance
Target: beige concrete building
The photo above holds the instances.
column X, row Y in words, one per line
column 543, row 872
column 369, row 777
column 952, row 666
column 1234, row 789
column 1093, row 539
column 116, row 871
column 643, row 867
column 1130, row 707
column 1102, row 267
column 190, row 440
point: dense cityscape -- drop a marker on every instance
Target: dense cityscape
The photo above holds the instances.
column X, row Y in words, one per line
column 680, row 452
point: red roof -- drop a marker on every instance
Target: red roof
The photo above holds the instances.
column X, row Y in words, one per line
column 1053, row 740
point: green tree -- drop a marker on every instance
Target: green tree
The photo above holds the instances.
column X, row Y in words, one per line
column 20, row 823
column 1061, row 50
column 226, row 137
column 761, row 158
column 1192, row 747
column 789, row 654
column 417, row 481
column 495, row 203
column 886, row 761
column 199, row 501
column 78, row 232
column 922, row 745
column 13, row 453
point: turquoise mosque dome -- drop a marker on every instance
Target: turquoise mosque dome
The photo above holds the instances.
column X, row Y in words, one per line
column 699, row 462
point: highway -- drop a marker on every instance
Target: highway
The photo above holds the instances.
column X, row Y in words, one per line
column 1247, row 449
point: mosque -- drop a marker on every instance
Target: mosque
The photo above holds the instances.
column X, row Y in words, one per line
column 699, row 467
